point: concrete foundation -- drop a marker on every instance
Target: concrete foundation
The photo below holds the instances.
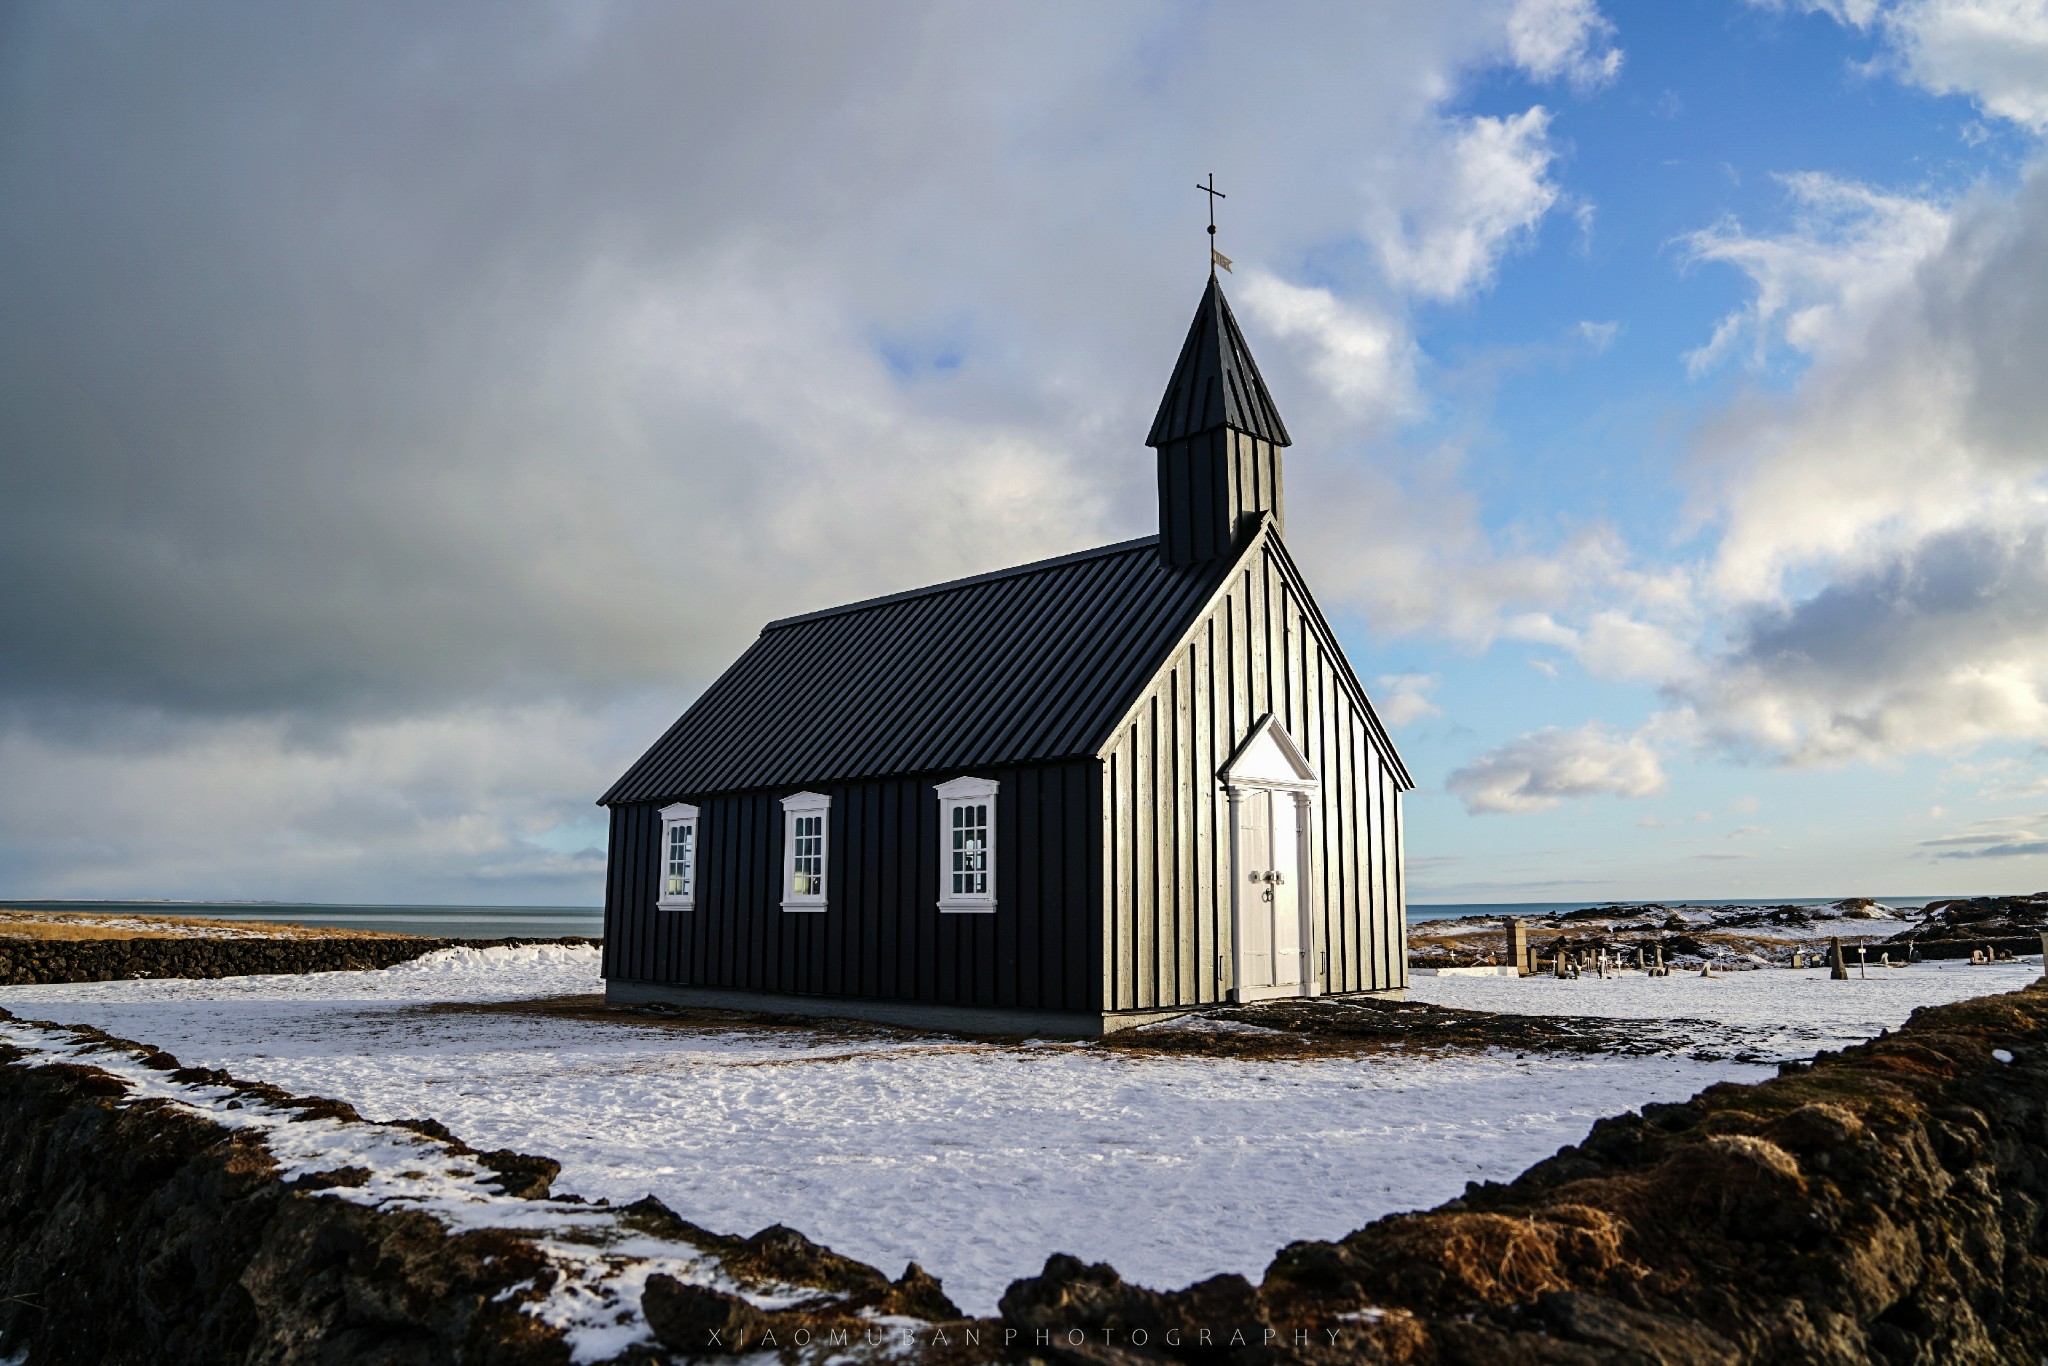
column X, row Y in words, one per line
column 912, row 1014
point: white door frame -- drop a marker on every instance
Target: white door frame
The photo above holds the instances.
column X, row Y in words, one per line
column 1252, row 767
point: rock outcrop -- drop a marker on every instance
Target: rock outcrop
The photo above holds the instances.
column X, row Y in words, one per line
column 1884, row 1203
column 156, row 1215
column 35, row 962
column 1956, row 929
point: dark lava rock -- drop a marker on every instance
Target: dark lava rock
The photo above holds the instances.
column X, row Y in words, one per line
column 692, row 1318
column 1882, row 1203
column 34, row 962
column 1953, row 929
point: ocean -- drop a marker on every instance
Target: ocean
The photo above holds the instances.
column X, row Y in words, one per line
column 548, row 922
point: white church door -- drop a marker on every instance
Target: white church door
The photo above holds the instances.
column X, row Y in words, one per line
column 1271, row 786
column 1283, row 889
column 1255, row 893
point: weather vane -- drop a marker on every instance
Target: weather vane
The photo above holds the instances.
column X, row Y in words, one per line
column 1216, row 258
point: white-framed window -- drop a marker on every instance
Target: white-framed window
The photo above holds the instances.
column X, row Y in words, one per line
column 967, row 844
column 806, row 850
column 678, row 858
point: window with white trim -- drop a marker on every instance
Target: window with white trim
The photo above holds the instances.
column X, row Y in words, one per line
column 806, row 850
column 967, row 844
column 678, row 858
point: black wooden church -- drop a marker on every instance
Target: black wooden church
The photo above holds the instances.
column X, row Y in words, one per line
column 1074, row 795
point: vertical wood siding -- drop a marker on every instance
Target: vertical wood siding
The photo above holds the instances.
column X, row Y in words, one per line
column 1166, row 878
column 1210, row 485
column 882, row 934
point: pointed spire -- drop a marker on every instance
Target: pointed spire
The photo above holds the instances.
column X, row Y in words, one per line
column 1216, row 383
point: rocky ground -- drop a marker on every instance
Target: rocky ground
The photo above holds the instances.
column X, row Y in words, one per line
column 1881, row 1203
column 45, row 924
column 154, row 1213
column 37, row 961
column 1736, row 937
column 1953, row 929
column 1878, row 1204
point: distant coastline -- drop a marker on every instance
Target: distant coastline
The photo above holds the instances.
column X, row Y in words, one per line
column 447, row 922
column 548, row 922
column 1446, row 910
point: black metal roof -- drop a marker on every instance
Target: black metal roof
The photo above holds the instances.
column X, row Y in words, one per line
column 1215, row 383
column 1020, row 666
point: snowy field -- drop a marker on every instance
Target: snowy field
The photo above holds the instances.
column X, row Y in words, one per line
column 1779, row 1012
column 977, row 1160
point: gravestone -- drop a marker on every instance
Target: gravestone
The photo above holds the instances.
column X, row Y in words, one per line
column 1518, row 948
column 1838, row 966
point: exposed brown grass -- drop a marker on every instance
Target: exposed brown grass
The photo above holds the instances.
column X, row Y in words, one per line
column 83, row 925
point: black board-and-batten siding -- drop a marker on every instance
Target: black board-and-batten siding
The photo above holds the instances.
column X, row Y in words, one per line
column 881, row 936
column 1113, row 871
column 1112, row 695
column 1262, row 649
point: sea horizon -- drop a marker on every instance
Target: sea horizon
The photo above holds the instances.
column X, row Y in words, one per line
column 457, row 920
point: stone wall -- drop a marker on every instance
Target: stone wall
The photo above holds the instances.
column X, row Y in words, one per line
column 34, row 962
column 139, row 1230
column 138, row 1233
column 1888, row 1203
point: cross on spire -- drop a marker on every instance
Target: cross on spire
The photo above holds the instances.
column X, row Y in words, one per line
column 1216, row 258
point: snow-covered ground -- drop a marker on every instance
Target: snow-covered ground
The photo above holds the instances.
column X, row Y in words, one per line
column 601, row 1264
column 977, row 1160
column 1782, row 1012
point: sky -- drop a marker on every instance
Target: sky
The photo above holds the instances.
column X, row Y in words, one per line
column 405, row 411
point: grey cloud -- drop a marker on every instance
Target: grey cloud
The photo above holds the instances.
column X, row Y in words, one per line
column 2013, row 849
column 471, row 371
column 1914, row 613
column 373, row 356
column 1994, row 837
column 1538, row 771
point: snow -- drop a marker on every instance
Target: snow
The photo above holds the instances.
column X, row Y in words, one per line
column 977, row 1160
column 1783, row 1012
column 601, row 1266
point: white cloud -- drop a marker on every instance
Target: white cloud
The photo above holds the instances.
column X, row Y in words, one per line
column 1883, row 551
column 1995, row 52
column 1405, row 699
column 1492, row 188
column 1598, row 336
column 2006, row 779
column 1365, row 362
column 1406, row 548
column 470, row 387
column 1541, row 770
column 1646, row 635
column 1564, row 38
column 1995, row 837
column 471, row 802
column 1849, row 249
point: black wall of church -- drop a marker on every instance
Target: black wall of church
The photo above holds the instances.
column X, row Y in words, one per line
column 882, row 935
column 1263, row 648
column 1211, row 486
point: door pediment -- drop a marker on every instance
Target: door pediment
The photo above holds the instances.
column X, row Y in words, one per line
column 1270, row 758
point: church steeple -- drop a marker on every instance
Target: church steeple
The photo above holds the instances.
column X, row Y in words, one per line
column 1218, row 436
